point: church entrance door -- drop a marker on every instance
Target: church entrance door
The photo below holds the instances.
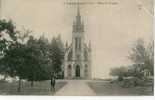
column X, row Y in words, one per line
column 77, row 71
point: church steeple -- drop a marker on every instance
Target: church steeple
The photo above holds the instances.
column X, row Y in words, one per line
column 78, row 26
column 0, row 9
column 78, row 10
column 77, row 62
column 78, row 13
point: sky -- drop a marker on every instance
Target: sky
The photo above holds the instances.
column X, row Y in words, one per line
column 112, row 26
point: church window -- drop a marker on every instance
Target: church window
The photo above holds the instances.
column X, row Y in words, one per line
column 76, row 43
column 79, row 43
column 85, row 55
column 70, row 56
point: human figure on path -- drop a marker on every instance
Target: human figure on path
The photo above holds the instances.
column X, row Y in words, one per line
column 53, row 83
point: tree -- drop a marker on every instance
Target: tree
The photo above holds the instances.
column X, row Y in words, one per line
column 138, row 52
column 7, row 38
column 37, row 60
column 149, row 63
column 7, row 35
column 120, row 72
column 15, row 61
column 134, row 71
column 56, row 55
column 12, row 51
column 143, row 55
column 9, row 28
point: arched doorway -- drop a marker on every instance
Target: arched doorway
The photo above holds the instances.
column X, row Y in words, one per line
column 69, row 70
column 77, row 71
column 86, row 71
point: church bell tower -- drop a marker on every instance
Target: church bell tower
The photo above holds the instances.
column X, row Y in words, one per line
column 78, row 37
column 77, row 63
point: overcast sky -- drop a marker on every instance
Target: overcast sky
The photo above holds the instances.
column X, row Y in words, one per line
column 112, row 28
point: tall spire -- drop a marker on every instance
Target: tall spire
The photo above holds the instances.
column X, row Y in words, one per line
column 78, row 8
column 78, row 17
column 0, row 9
column 78, row 26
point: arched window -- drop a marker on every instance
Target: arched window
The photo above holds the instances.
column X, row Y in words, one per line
column 70, row 56
column 79, row 43
column 76, row 43
column 85, row 55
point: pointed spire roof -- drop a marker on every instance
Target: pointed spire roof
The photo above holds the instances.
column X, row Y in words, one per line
column 78, row 17
column 0, row 9
column 78, row 25
column 78, row 9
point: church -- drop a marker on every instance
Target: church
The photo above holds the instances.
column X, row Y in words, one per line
column 77, row 60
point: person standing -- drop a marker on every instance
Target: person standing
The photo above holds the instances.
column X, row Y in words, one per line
column 53, row 83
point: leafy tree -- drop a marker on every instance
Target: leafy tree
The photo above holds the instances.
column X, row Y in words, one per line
column 149, row 62
column 143, row 55
column 9, row 27
column 27, row 57
column 134, row 71
column 7, row 35
column 12, row 51
column 7, row 38
column 15, row 61
column 56, row 55
column 45, row 62
column 37, row 60
column 120, row 72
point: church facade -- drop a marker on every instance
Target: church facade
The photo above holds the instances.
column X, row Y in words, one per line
column 77, row 60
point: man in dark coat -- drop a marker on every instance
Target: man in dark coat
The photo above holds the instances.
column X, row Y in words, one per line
column 53, row 82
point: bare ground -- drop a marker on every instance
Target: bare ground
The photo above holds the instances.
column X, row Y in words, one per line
column 76, row 88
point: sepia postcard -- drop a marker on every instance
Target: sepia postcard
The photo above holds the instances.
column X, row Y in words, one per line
column 77, row 47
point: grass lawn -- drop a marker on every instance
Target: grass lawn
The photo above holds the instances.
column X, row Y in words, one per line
column 105, row 88
column 39, row 88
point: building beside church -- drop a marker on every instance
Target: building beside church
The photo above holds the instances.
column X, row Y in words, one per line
column 77, row 60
